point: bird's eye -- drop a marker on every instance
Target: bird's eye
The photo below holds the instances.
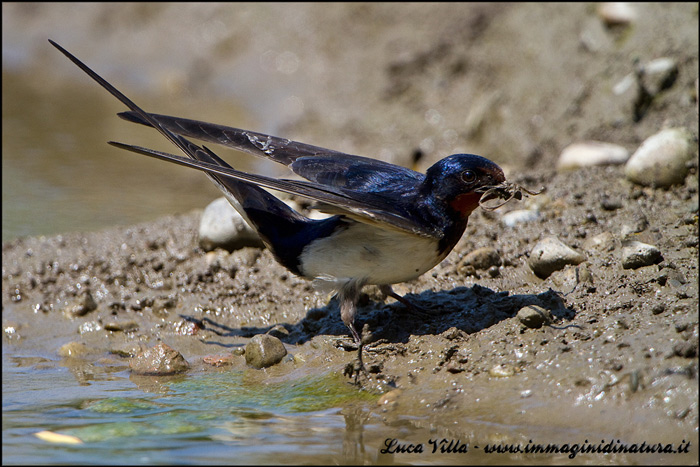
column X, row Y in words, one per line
column 468, row 176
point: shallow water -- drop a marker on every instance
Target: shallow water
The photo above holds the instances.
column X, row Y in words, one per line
column 206, row 418
column 60, row 175
column 225, row 416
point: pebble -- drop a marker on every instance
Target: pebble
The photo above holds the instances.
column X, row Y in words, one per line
column 604, row 241
column 83, row 305
column 218, row 360
column 89, row 326
column 550, row 255
column 672, row 277
column 58, row 438
column 638, row 254
column 453, row 333
column 686, row 349
column 638, row 88
column 658, row 308
column 617, row 13
column 221, row 226
column 125, row 326
column 610, row 204
column 659, row 74
column 161, row 305
column 501, row 371
column 640, row 224
column 534, row 316
column 571, row 276
column 625, row 84
column 264, row 350
column 590, row 153
column 160, row 360
column 73, row 349
column 661, row 159
column 390, row 399
column 128, row 349
column 482, row 258
column 519, row 216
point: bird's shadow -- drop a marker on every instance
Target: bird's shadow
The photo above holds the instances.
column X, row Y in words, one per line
column 469, row 309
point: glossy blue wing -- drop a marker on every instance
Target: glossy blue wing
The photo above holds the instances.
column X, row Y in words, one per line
column 357, row 174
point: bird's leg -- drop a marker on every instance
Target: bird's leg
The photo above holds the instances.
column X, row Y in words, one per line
column 360, row 366
column 348, row 296
column 389, row 292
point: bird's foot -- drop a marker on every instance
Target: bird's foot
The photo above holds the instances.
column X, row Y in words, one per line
column 357, row 366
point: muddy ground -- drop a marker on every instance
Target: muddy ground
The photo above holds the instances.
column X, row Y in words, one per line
column 515, row 83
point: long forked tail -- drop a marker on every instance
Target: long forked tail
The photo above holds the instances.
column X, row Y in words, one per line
column 281, row 150
column 276, row 222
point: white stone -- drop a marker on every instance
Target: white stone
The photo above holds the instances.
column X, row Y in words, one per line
column 519, row 216
column 588, row 153
column 551, row 254
column 222, row 226
column 659, row 74
column 661, row 159
column 613, row 13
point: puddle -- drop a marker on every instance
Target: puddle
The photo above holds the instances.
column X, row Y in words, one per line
column 206, row 418
column 229, row 417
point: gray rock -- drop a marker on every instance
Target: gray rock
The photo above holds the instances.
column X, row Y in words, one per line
column 662, row 159
column 160, row 360
column 637, row 254
column 534, row 316
column 222, row 226
column 482, row 258
column 264, row 350
column 550, row 255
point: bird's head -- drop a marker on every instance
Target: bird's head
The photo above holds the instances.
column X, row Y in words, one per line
column 459, row 181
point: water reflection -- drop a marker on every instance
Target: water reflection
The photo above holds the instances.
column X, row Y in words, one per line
column 60, row 175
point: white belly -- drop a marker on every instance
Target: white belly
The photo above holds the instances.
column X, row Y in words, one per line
column 374, row 255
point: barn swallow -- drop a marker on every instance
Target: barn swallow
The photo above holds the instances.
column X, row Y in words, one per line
column 391, row 224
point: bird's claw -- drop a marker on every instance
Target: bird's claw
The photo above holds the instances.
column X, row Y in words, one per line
column 357, row 366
